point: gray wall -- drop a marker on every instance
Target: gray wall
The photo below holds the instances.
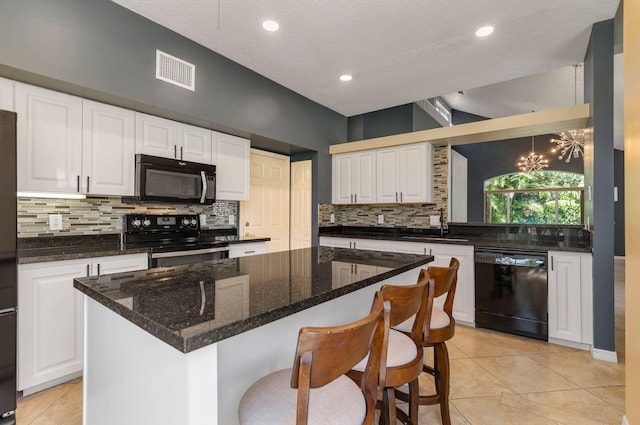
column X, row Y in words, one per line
column 598, row 167
column 390, row 121
column 490, row 159
column 99, row 50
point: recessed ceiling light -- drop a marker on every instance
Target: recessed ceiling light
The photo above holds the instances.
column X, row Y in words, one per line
column 270, row 25
column 484, row 31
column 345, row 77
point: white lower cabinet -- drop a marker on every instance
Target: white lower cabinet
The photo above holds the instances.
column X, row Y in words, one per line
column 50, row 317
column 570, row 297
column 246, row 249
column 464, row 304
column 364, row 244
column 464, row 301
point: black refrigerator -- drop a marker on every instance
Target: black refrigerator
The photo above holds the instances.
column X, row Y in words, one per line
column 8, row 267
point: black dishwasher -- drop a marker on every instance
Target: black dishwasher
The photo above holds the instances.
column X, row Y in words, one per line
column 511, row 291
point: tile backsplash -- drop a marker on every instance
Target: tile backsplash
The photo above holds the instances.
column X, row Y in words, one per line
column 97, row 215
column 408, row 215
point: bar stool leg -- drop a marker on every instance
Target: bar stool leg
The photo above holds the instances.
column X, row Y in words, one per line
column 442, row 380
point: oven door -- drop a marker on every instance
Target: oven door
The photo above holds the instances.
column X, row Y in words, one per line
column 169, row 180
column 176, row 258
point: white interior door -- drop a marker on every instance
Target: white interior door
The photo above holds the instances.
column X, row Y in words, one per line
column 266, row 213
column 300, row 204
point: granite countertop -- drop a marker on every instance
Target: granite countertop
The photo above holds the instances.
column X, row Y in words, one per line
column 60, row 248
column 513, row 236
column 191, row 306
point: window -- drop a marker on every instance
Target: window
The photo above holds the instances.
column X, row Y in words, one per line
column 550, row 197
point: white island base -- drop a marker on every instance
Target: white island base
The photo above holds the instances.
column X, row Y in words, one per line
column 133, row 378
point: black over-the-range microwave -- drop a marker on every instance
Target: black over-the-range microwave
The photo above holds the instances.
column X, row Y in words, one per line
column 172, row 180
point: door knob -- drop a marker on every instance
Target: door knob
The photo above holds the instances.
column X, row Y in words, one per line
column 246, row 224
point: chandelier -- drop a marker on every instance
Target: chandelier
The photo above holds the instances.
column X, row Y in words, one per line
column 571, row 143
column 533, row 162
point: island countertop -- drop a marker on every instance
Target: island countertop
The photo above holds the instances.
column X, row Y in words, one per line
column 192, row 306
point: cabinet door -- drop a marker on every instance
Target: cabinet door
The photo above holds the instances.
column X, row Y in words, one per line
column 49, row 140
column 342, row 169
column 194, row 144
column 565, row 321
column 414, row 173
column 364, row 179
column 233, row 163
column 119, row 264
column 6, row 95
column 50, row 322
column 108, row 161
column 156, row 136
column 464, row 301
column 387, row 181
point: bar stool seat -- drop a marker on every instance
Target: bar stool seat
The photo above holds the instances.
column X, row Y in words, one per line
column 317, row 389
column 271, row 400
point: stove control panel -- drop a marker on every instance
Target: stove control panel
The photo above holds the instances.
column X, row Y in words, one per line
column 138, row 223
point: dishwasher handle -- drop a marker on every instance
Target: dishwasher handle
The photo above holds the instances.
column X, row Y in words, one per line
column 534, row 260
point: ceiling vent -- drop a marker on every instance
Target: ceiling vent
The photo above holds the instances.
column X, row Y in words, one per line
column 175, row 71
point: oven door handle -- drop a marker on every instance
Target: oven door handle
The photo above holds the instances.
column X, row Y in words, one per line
column 187, row 253
column 203, row 197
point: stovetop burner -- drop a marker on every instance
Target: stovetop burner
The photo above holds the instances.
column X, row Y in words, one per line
column 167, row 233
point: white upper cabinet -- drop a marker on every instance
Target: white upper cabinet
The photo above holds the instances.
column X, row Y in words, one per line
column 405, row 174
column 108, row 162
column 49, row 140
column 194, row 144
column 354, row 178
column 6, row 95
column 156, row 136
column 170, row 139
column 232, row 158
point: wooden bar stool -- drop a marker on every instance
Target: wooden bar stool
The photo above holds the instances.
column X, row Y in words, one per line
column 404, row 352
column 316, row 390
column 439, row 327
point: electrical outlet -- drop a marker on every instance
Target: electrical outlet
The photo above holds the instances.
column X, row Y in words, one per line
column 232, row 219
column 55, row 221
column 332, row 218
column 380, row 219
column 203, row 219
column 434, row 220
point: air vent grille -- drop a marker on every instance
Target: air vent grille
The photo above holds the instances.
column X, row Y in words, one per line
column 175, row 71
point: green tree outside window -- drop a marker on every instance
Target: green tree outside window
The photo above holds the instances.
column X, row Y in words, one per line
column 543, row 197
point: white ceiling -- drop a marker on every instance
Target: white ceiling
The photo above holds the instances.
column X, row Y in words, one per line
column 398, row 51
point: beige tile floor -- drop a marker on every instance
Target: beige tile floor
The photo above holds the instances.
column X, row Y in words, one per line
column 496, row 379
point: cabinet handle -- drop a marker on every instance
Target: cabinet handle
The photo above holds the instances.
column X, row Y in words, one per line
column 356, row 268
column 175, row 151
column 88, row 184
column 355, row 197
column 552, row 263
column 78, row 182
column 351, row 198
column 400, row 196
column 351, row 268
column 249, row 252
column 98, row 269
column 88, row 269
column 430, row 251
column 425, row 251
column 181, row 152
column 354, row 244
column 396, row 196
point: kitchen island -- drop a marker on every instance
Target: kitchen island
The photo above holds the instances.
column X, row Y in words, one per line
column 181, row 344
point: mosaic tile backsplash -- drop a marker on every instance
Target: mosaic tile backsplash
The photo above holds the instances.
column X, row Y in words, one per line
column 98, row 215
column 407, row 215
